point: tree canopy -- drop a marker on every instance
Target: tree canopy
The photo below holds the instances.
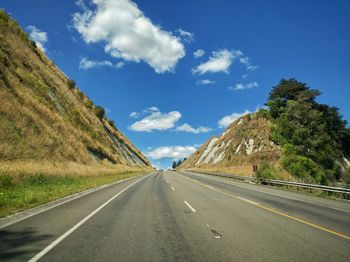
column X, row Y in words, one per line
column 313, row 136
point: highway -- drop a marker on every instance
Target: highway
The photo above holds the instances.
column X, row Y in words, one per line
column 182, row 216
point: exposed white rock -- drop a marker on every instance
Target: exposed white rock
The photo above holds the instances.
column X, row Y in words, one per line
column 219, row 157
column 207, row 150
column 211, row 156
column 240, row 121
column 347, row 162
column 249, row 146
column 239, row 147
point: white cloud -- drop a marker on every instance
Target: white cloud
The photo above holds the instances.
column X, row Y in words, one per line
column 134, row 115
column 220, row 61
column 205, row 82
column 85, row 63
column 128, row 34
column 245, row 76
column 189, row 129
column 227, row 120
column 174, row 152
column 243, row 86
column 38, row 36
column 198, row 53
column 246, row 61
column 186, row 36
column 156, row 120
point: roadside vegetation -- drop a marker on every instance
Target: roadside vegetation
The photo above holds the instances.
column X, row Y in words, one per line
column 314, row 137
column 26, row 190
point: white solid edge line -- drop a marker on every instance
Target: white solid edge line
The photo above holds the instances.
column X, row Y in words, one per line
column 55, row 203
column 76, row 226
column 193, row 210
column 172, row 188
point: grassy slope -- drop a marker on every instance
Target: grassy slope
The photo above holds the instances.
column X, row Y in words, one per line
column 48, row 131
column 27, row 190
column 41, row 118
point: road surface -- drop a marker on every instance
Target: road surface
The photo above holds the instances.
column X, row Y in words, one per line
column 172, row 216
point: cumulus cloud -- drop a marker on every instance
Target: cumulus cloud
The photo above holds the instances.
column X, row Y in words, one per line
column 198, row 53
column 156, row 120
column 86, row 63
column 205, row 82
column 243, row 86
column 186, row 36
column 189, row 129
column 127, row 34
column 220, row 61
column 174, row 152
column 39, row 37
column 227, row 120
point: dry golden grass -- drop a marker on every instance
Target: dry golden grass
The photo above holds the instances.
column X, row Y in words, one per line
column 245, row 170
column 64, row 168
column 42, row 119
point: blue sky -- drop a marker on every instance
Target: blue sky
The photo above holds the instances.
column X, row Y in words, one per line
column 136, row 59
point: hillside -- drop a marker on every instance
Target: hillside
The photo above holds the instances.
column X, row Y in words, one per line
column 45, row 118
column 243, row 144
column 295, row 138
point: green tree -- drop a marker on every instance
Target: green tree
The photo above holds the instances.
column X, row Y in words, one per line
column 313, row 136
column 71, row 83
column 99, row 112
column 174, row 164
column 179, row 163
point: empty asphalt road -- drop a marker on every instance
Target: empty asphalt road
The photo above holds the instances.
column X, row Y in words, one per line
column 181, row 216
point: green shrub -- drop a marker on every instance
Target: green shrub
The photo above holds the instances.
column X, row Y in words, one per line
column 71, row 83
column 88, row 103
column 263, row 113
column 99, row 112
column 265, row 171
column 346, row 178
column 5, row 181
column 303, row 168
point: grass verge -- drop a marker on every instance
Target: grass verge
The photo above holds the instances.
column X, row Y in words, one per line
column 22, row 191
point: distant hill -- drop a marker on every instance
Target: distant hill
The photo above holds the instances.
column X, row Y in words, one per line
column 243, row 144
column 295, row 138
column 45, row 117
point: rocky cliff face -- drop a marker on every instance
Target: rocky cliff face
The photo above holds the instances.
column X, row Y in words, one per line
column 243, row 144
column 44, row 116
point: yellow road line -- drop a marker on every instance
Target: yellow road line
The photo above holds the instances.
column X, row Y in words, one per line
column 272, row 210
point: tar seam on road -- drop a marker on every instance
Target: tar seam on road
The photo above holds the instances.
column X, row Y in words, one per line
column 190, row 207
column 76, row 226
column 275, row 211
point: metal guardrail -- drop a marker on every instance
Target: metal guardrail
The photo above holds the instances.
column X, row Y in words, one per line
column 345, row 191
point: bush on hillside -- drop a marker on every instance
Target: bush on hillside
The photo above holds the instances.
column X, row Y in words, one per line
column 265, row 171
column 71, row 83
column 99, row 112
